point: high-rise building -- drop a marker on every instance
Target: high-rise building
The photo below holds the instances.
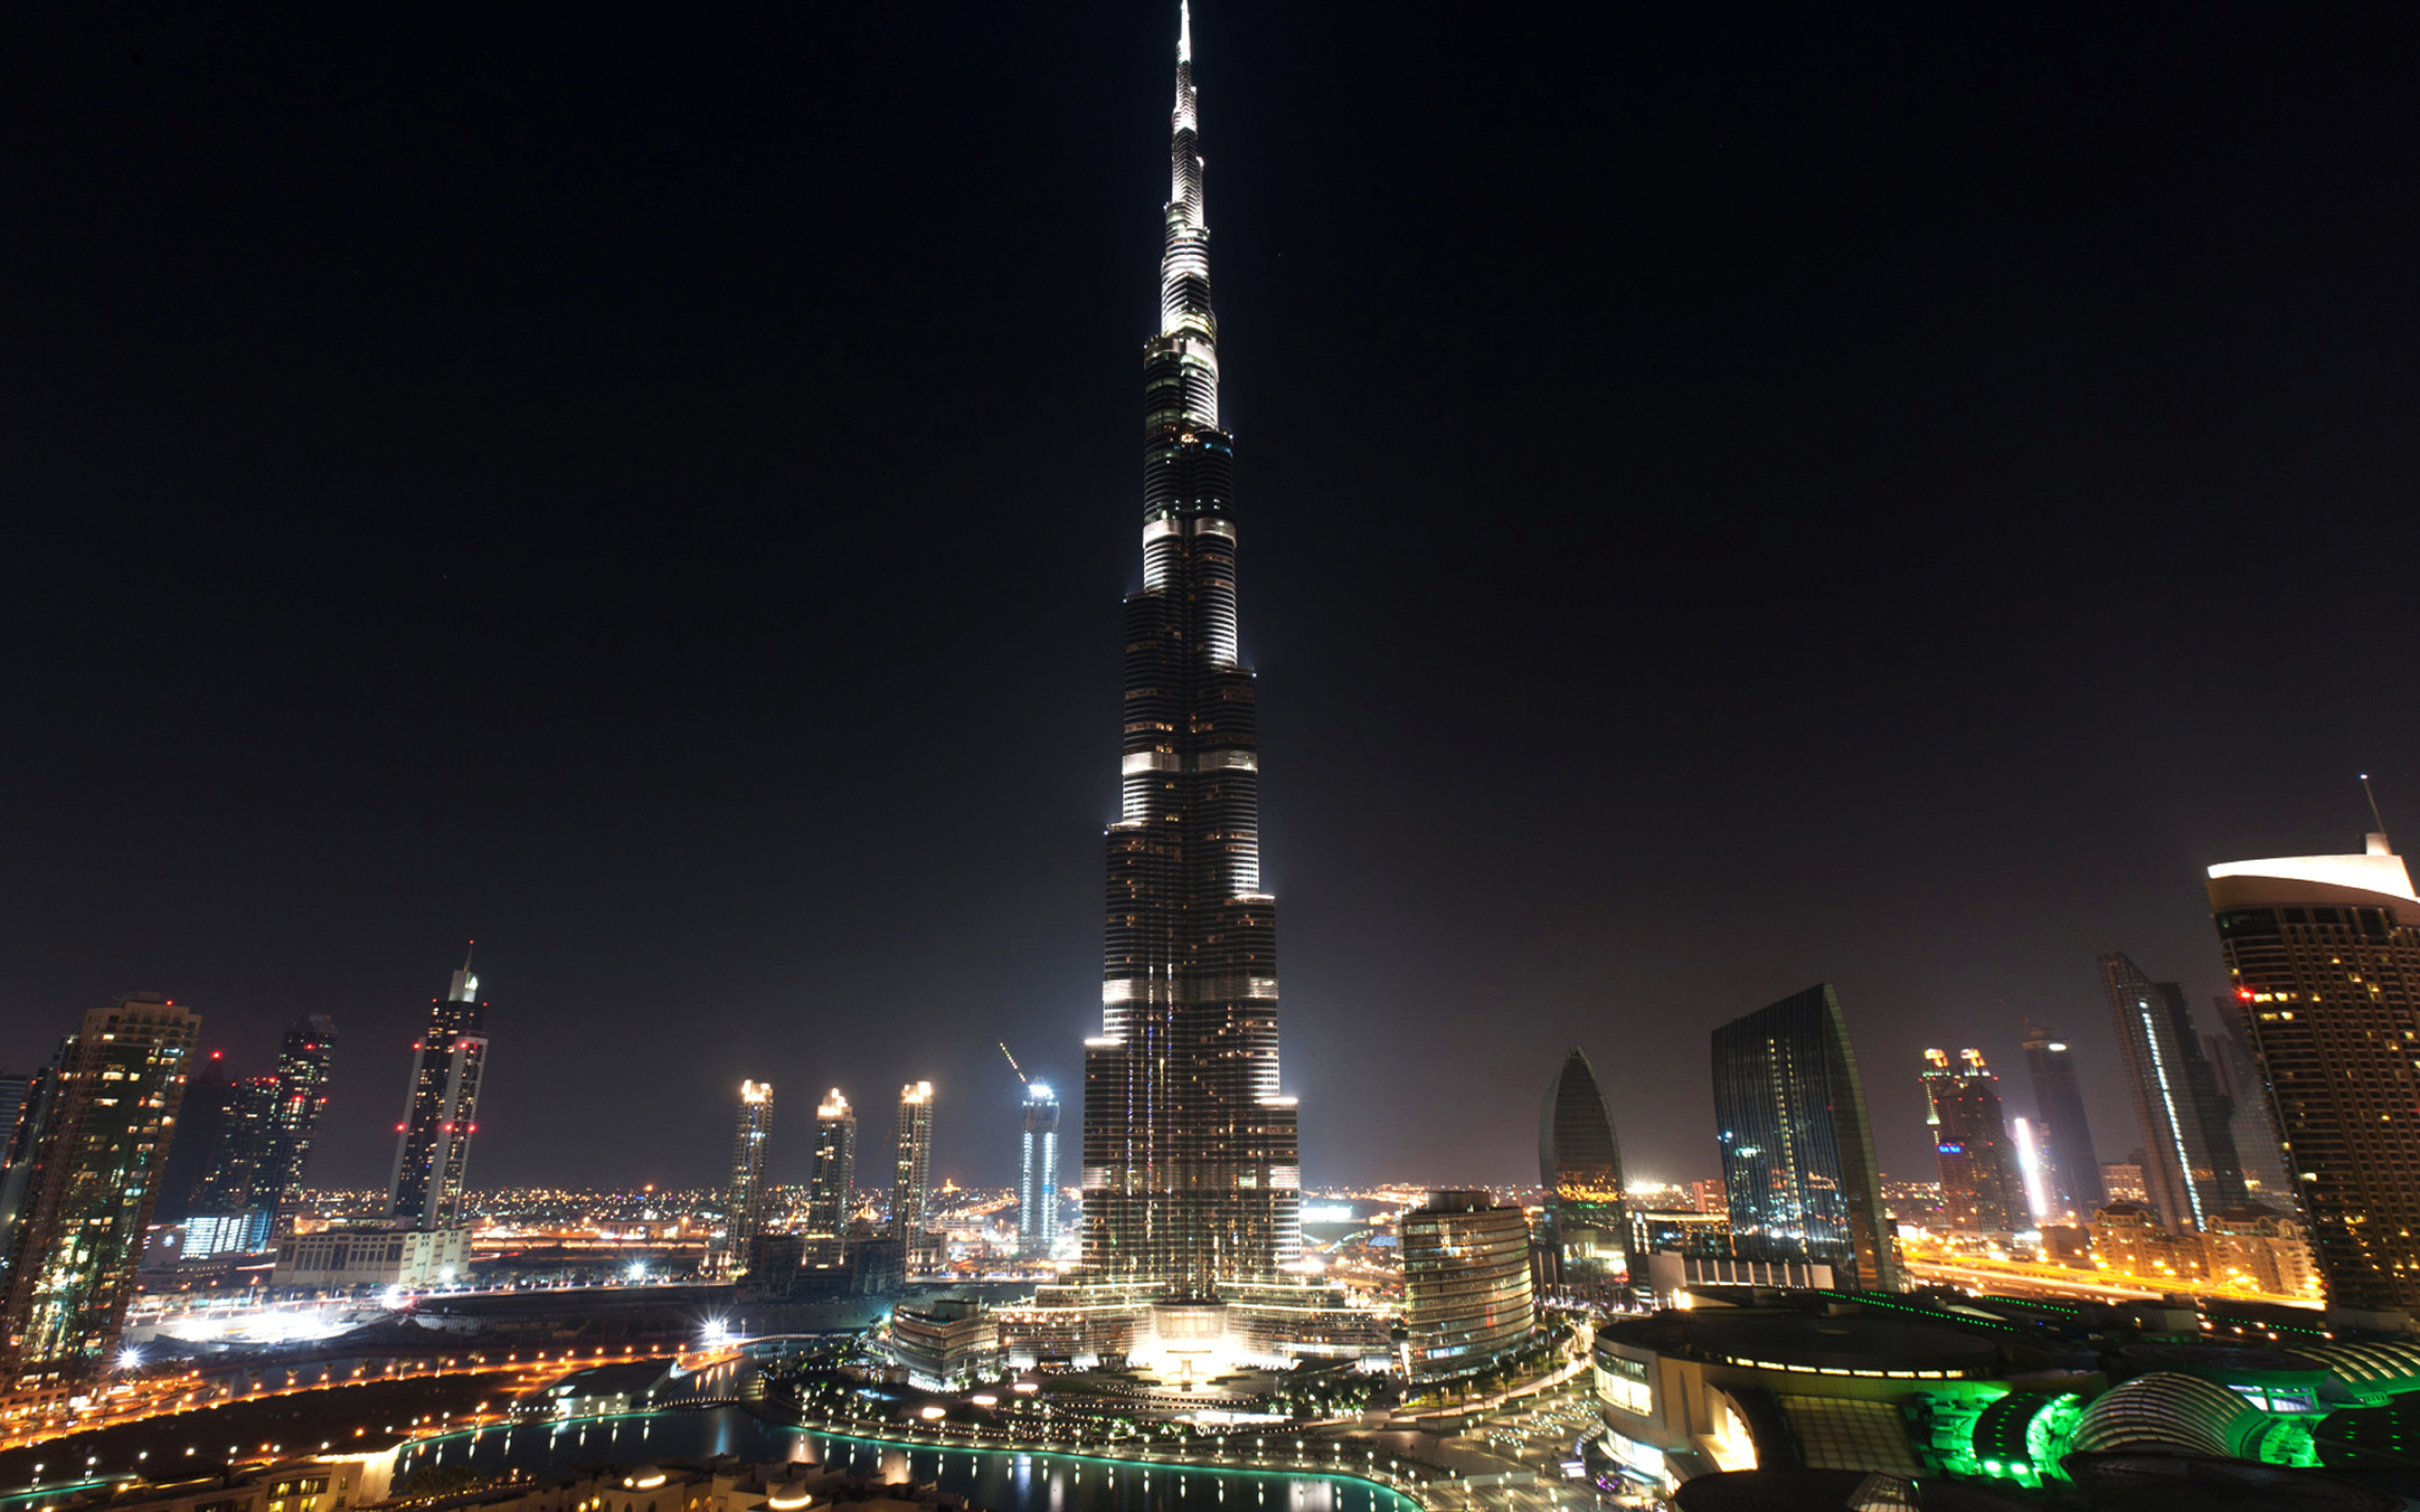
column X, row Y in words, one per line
column 911, row 1181
column 2071, row 1170
column 1466, row 1295
column 1982, row 1191
column 2324, row 956
column 239, row 1172
column 831, row 1188
column 195, row 1149
column 13, row 1090
column 1190, row 1175
column 1797, row 1147
column 744, row 1217
column 96, row 1176
column 2258, row 1149
column 1038, row 1172
column 2189, row 1168
column 1580, row 1166
column 433, row 1142
column 305, row 1059
column 22, row 1144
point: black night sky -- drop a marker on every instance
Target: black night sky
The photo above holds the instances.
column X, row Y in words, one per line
column 1732, row 496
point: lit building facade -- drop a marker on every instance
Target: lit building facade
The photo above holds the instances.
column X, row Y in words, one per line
column 241, row 1165
column 343, row 1260
column 911, row 1181
column 433, row 1143
column 306, row 1059
column 2324, row 956
column 945, row 1341
column 2189, row 1168
column 832, row 1186
column 2071, row 1170
column 1466, row 1298
column 1982, row 1191
column 1191, row 1178
column 94, row 1179
column 1038, row 1172
column 1190, row 1173
column 1797, row 1146
column 744, row 1208
column 1579, row 1168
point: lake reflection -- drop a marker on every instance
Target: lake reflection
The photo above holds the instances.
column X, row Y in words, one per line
column 993, row 1479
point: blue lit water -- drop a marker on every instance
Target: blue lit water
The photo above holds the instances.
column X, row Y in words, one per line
column 992, row 1480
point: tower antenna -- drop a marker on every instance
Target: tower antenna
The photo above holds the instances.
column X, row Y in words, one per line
column 2375, row 817
column 1013, row 1063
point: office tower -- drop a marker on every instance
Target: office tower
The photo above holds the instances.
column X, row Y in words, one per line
column 1982, row 1191
column 831, row 1188
column 442, row 1112
column 1466, row 1298
column 2323, row 956
column 2190, row 1169
column 2071, row 1170
column 911, row 1181
column 305, row 1059
column 2257, row 1148
column 1579, row 1165
column 1797, row 1148
column 96, row 1176
column 1038, row 1172
column 744, row 1218
column 239, row 1173
column 1190, row 1175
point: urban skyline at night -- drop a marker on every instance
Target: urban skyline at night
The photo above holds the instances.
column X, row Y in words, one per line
column 1619, row 967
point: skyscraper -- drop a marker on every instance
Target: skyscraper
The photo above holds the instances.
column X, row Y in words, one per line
column 911, row 1181
column 1981, row 1189
column 1191, row 1179
column 2324, row 956
column 305, row 1059
column 441, row 1112
column 1579, row 1165
column 21, row 1151
column 2072, row 1169
column 831, row 1188
column 1797, row 1148
column 94, row 1178
column 1038, row 1172
column 2189, row 1168
column 239, row 1171
column 2258, row 1149
column 744, row 1218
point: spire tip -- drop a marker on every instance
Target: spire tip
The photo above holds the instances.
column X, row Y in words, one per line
column 1184, row 31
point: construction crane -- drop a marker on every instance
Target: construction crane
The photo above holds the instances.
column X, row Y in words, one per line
column 1013, row 1063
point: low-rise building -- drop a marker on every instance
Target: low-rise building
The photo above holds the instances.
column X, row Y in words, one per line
column 343, row 1259
column 945, row 1341
column 1466, row 1284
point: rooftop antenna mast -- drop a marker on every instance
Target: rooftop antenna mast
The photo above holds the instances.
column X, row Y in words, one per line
column 2375, row 817
column 1013, row 1063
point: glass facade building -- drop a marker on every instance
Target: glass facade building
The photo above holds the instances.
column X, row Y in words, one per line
column 1982, row 1191
column 1466, row 1294
column 831, row 1188
column 1038, row 1172
column 911, row 1179
column 2323, row 954
column 1580, row 1166
column 2071, row 1169
column 1797, row 1146
column 2189, row 1167
column 433, row 1143
column 1190, row 1175
column 94, row 1177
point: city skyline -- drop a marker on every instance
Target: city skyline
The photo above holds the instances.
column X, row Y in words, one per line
column 438, row 726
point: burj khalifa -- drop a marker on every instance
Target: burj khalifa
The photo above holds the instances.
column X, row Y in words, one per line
column 1191, row 1177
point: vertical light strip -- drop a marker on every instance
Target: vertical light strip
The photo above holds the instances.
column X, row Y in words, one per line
column 2029, row 1163
column 2168, row 1099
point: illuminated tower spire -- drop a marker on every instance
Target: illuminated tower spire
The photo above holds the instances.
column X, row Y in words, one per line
column 1190, row 1170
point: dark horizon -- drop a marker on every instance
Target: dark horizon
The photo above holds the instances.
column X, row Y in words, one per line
column 1729, row 502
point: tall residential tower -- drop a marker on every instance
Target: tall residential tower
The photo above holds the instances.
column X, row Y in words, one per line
column 2324, row 956
column 911, row 1179
column 744, row 1218
column 1038, row 1172
column 2071, row 1171
column 2189, row 1168
column 831, row 1187
column 1981, row 1189
column 433, row 1142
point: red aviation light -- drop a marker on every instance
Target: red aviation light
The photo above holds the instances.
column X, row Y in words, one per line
column 2245, row 992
